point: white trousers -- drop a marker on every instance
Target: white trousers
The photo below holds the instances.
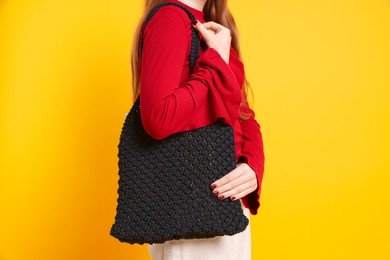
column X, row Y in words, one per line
column 235, row 247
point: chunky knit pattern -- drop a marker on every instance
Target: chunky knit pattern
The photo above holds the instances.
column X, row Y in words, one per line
column 164, row 191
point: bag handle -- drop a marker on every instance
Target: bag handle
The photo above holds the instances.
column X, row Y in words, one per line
column 195, row 41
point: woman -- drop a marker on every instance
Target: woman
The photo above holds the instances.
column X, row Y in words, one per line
column 175, row 101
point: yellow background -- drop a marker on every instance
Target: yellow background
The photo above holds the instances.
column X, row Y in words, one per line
column 320, row 71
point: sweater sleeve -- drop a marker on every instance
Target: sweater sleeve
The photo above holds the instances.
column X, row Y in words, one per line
column 168, row 105
column 253, row 155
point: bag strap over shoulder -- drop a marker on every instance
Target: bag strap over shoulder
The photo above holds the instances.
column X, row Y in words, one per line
column 195, row 41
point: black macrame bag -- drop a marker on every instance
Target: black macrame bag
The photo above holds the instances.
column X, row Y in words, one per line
column 164, row 189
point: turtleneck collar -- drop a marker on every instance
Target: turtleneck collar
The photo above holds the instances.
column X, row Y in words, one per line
column 198, row 14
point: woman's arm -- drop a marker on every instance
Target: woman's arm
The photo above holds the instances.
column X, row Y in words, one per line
column 253, row 155
column 244, row 182
column 169, row 106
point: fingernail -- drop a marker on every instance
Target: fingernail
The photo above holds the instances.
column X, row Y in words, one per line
column 216, row 192
column 221, row 197
column 233, row 198
column 213, row 185
column 194, row 21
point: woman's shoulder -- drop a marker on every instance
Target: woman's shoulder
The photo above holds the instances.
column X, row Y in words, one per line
column 169, row 28
column 172, row 16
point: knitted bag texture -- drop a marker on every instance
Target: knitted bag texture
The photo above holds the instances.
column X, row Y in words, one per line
column 164, row 191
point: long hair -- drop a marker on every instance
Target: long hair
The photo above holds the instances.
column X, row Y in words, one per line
column 214, row 10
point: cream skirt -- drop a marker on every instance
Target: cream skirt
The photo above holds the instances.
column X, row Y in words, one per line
column 235, row 247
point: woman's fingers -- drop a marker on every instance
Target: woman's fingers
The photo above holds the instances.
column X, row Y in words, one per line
column 209, row 26
column 242, row 194
column 201, row 28
column 238, row 191
column 232, row 183
column 237, row 183
column 241, row 171
column 213, row 26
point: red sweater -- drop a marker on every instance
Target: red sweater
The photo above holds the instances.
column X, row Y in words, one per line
column 175, row 102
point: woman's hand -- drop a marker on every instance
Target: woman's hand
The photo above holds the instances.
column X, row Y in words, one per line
column 216, row 36
column 236, row 184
